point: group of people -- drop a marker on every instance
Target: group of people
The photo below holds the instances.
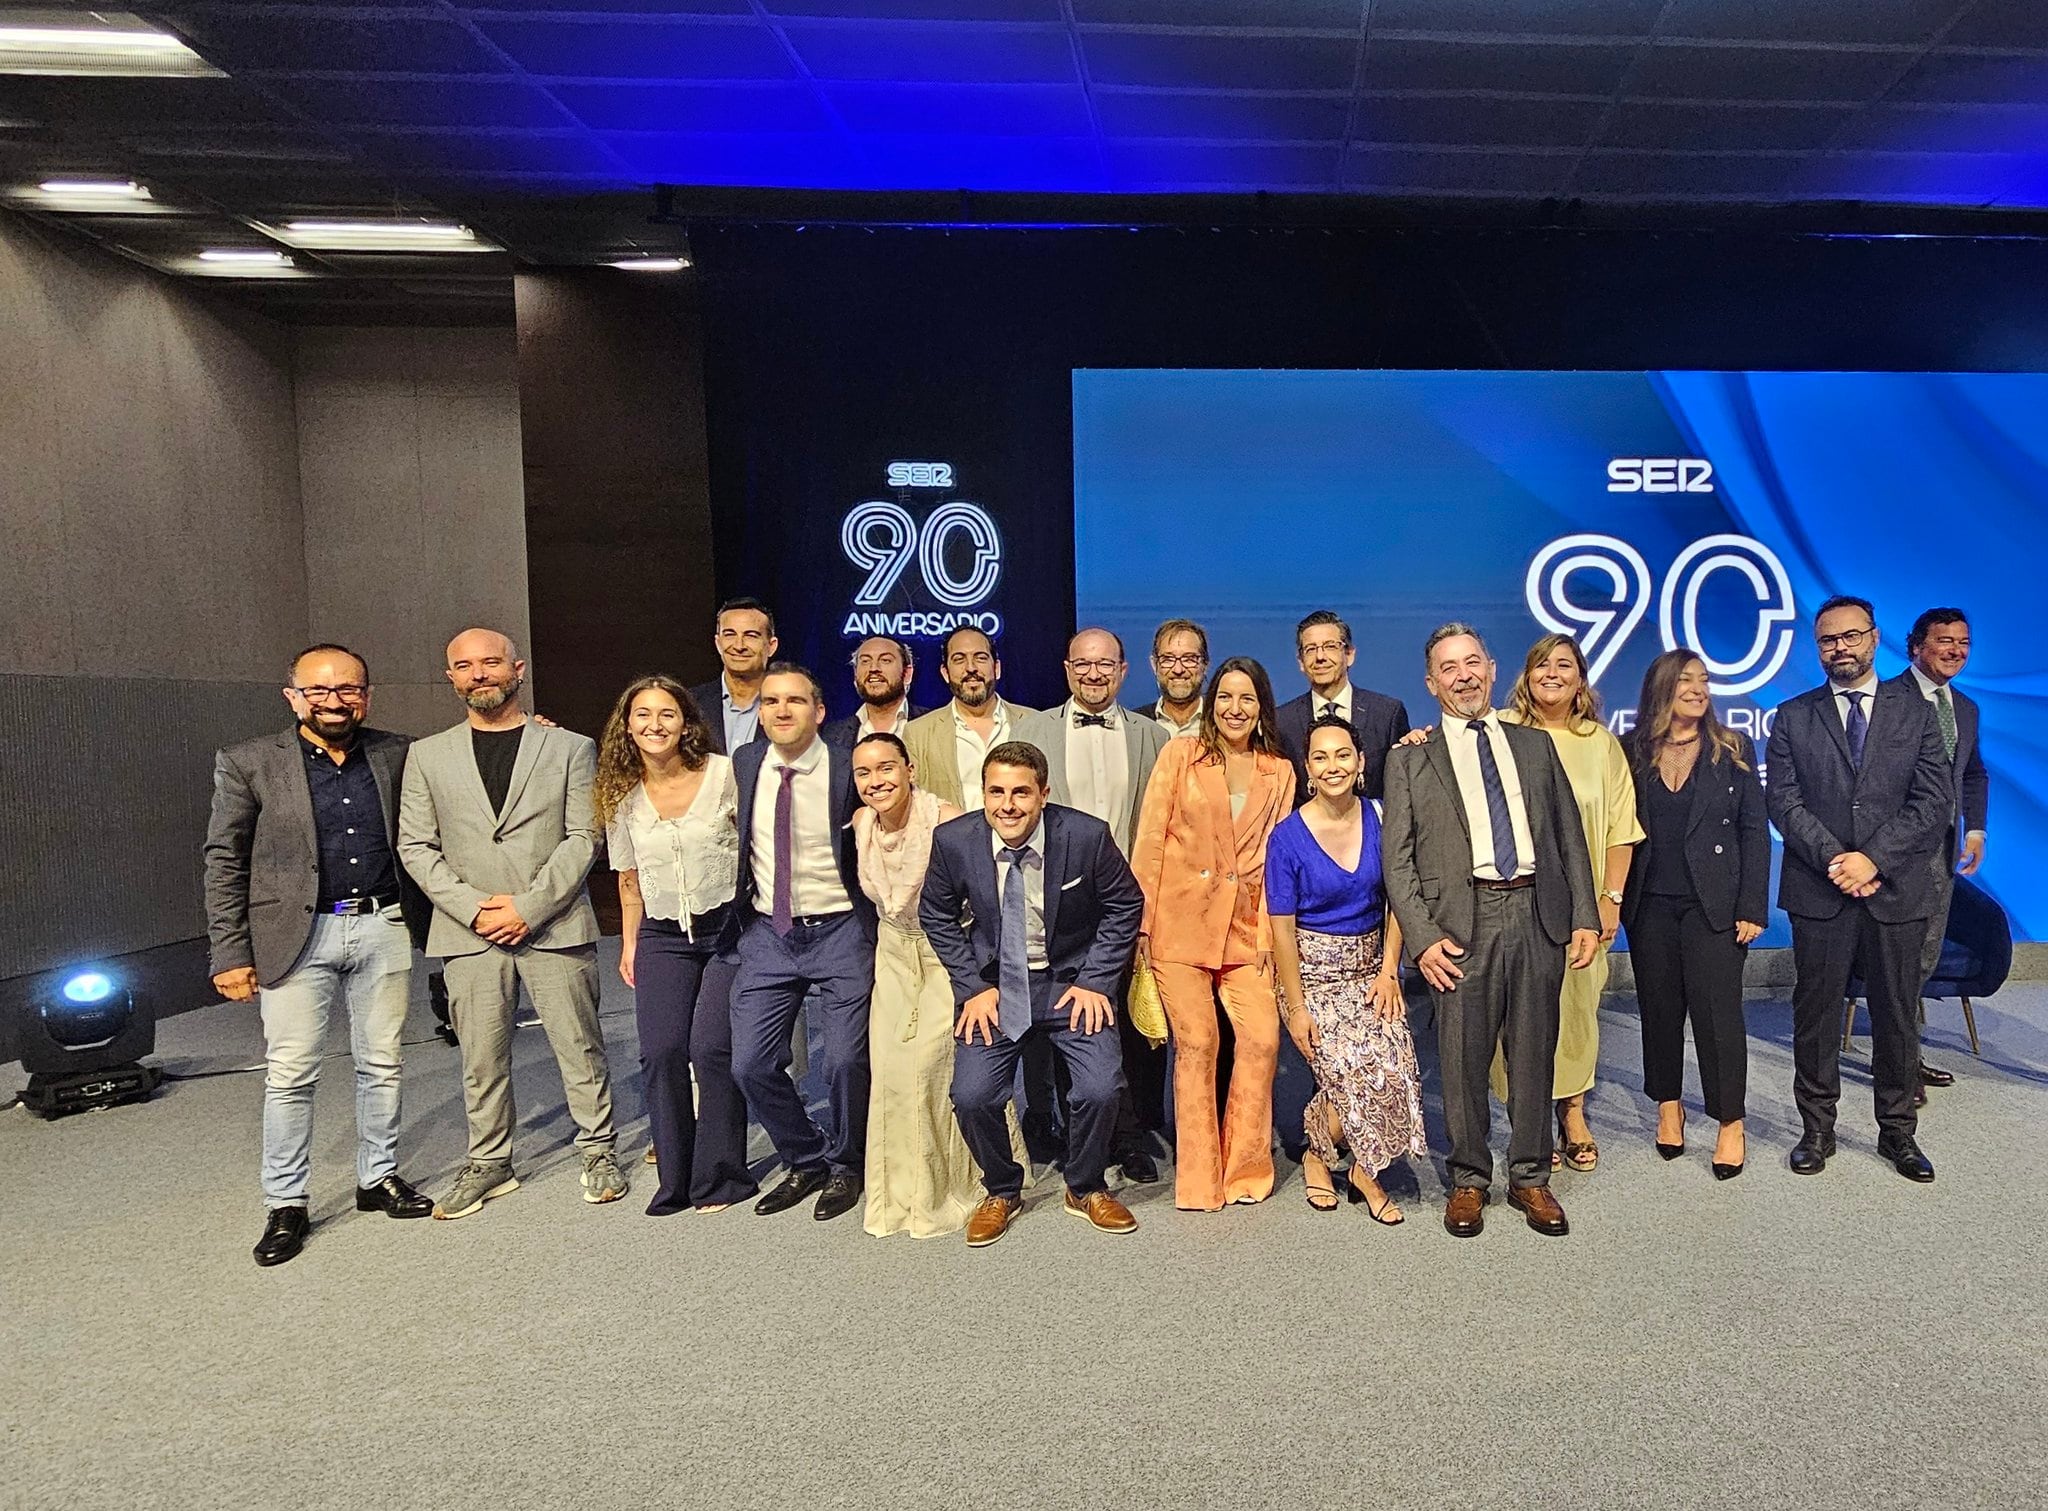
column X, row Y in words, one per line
column 990, row 907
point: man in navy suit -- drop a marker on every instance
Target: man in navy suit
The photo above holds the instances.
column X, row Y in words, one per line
column 1034, row 913
column 882, row 673
column 1861, row 790
column 801, row 923
column 1322, row 644
column 745, row 642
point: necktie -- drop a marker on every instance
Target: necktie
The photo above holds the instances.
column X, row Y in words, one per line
column 1013, row 966
column 1085, row 721
column 1945, row 716
column 1327, row 710
column 1858, row 729
column 1505, row 860
column 782, row 916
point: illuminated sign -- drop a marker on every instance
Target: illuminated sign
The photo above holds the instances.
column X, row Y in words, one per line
column 957, row 550
column 1660, row 474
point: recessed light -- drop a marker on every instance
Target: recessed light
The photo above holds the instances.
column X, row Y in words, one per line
column 378, row 236
column 244, row 255
column 651, row 264
column 122, row 44
column 93, row 188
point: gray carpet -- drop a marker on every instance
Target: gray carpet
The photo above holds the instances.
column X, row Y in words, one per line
column 1849, row 1340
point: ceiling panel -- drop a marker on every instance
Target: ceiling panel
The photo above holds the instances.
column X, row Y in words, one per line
column 1521, row 68
column 1397, row 170
column 242, row 41
column 1830, row 21
column 1176, row 60
column 1270, row 117
column 635, row 49
column 1166, row 167
column 2002, row 23
column 1586, row 18
column 936, row 55
column 1688, row 127
column 1279, row 15
column 1053, row 110
column 726, row 108
column 1976, row 78
column 1477, row 122
column 1684, row 70
column 1714, row 176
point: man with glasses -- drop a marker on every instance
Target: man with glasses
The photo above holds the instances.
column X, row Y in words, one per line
column 1938, row 648
column 1180, row 661
column 949, row 744
column 303, row 914
column 1860, row 788
column 730, row 702
column 882, row 673
column 1322, row 646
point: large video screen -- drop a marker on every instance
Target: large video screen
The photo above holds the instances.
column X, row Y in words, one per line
column 1635, row 510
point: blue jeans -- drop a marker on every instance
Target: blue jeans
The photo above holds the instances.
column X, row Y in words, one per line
column 365, row 963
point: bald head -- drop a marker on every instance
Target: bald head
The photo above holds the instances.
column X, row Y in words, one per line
column 485, row 669
column 1095, row 668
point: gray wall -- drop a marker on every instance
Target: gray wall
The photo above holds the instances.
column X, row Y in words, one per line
column 187, row 494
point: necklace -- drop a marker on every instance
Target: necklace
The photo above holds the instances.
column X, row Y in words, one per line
column 1676, row 743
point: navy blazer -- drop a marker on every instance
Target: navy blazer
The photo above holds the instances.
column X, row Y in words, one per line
column 1379, row 720
column 1093, row 904
column 1972, row 781
column 1894, row 809
column 746, row 771
column 845, row 733
column 710, row 700
column 1727, row 839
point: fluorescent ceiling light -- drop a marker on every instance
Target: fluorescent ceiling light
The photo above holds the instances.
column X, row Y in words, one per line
column 378, row 236
column 121, row 44
column 245, row 255
column 93, row 188
column 651, row 264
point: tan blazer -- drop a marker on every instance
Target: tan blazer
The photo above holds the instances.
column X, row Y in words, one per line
column 930, row 739
column 1192, row 860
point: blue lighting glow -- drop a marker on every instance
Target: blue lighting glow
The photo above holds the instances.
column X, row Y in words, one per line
column 88, row 987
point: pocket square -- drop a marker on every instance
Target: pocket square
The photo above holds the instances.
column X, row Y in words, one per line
column 1068, row 886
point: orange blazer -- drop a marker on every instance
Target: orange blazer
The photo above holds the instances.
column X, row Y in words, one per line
column 1192, row 860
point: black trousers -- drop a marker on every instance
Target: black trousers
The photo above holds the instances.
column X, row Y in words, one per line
column 1825, row 953
column 682, row 997
column 1686, row 968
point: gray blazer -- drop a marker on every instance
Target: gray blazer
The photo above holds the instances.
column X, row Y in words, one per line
column 538, row 850
column 263, row 852
column 1426, row 844
column 1143, row 740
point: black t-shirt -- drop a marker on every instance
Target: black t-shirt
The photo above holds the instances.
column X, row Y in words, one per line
column 496, row 752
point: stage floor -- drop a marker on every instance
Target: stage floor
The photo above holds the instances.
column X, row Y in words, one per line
column 1847, row 1340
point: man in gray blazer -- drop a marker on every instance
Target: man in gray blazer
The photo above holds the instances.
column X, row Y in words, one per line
column 1486, row 868
column 304, row 912
column 1101, row 757
column 497, row 827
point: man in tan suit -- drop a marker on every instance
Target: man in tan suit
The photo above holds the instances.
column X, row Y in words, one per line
column 949, row 744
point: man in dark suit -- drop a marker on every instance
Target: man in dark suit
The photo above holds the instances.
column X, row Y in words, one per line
column 1322, row 644
column 882, row 674
column 745, row 642
column 305, row 905
column 801, row 923
column 1938, row 648
column 1034, row 913
column 1486, row 869
column 1860, row 789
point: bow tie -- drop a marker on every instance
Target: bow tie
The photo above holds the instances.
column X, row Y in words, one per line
column 1084, row 721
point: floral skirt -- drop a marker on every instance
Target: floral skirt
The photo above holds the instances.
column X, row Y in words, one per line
column 1364, row 1064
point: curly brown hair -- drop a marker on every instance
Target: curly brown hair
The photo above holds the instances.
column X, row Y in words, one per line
column 619, row 767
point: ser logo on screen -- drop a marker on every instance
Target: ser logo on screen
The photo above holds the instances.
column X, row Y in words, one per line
column 957, row 550
column 1660, row 474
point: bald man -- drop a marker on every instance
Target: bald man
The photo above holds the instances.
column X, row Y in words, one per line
column 497, row 827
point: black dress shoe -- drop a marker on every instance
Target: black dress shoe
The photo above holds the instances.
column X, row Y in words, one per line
column 840, row 1196
column 1907, row 1159
column 394, row 1198
column 1811, row 1154
column 794, row 1188
column 1930, row 1076
column 1139, row 1168
column 284, row 1234
column 1919, row 1096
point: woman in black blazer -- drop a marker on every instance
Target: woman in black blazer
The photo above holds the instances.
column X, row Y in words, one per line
column 1698, row 889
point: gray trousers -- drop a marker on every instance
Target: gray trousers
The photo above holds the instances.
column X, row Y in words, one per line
column 1937, row 920
column 483, row 991
column 1513, row 974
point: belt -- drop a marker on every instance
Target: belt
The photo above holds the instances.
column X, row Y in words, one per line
column 353, row 907
column 1514, row 884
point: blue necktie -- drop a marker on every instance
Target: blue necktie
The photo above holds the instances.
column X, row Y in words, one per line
column 1504, row 857
column 1858, row 729
column 1013, row 966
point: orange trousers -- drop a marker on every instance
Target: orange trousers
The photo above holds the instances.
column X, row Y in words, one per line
column 1231, row 1161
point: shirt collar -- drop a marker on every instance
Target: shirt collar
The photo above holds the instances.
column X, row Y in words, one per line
column 1002, row 714
column 725, row 695
column 313, row 752
column 1491, row 718
column 1867, row 686
column 1928, row 686
column 1342, row 699
column 804, row 764
column 1035, row 844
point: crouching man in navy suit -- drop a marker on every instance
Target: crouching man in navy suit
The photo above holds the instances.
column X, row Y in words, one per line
column 1034, row 913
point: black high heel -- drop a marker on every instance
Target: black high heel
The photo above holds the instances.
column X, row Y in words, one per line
column 1727, row 1172
column 1670, row 1151
column 1354, row 1195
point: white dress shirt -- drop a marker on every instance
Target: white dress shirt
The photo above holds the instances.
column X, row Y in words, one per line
column 864, row 720
column 1173, row 727
column 970, row 749
column 1099, row 770
column 1034, row 892
column 1318, row 705
column 688, row 864
column 1464, row 746
column 1867, row 687
column 815, row 888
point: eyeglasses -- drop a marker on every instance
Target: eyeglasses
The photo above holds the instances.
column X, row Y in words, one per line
column 1848, row 640
column 348, row 692
column 1104, row 667
column 1174, row 662
column 1326, row 648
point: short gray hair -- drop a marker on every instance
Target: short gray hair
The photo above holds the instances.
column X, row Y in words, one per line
column 1447, row 631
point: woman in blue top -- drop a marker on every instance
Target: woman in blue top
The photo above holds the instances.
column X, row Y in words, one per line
column 1338, row 951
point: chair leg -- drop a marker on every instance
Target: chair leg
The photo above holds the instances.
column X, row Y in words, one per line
column 1970, row 1022
column 1848, row 1019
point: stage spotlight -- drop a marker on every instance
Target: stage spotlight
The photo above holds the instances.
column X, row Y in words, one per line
column 81, row 1041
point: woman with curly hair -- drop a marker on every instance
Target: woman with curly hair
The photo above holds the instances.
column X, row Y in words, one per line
column 1200, row 855
column 669, row 808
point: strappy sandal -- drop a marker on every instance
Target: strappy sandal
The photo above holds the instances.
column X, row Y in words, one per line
column 1314, row 1191
column 1377, row 1214
column 1579, row 1154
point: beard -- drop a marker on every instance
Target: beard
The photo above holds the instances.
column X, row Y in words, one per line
column 880, row 697
column 333, row 726
column 491, row 698
column 1180, row 691
column 974, row 692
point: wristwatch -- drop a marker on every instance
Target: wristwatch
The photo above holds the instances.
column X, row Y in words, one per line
column 1612, row 896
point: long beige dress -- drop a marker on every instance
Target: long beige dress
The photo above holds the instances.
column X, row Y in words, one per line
column 920, row 1178
column 1605, row 790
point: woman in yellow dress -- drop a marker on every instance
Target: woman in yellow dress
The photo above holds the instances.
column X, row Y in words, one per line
column 1554, row 694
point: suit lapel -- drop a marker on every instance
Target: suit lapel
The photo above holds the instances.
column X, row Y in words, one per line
column 387, row 758
column 1831, row 719
column 1135, row 772
column 1697, row 806
column 292, row 773
column 981, row 883
column 1215, row 785
column 1438, row 749
column 1055, row 870
column 462, row 750
column 530, row 740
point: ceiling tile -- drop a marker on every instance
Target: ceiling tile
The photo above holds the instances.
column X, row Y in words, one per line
column 107, row 106
column 1951, row 128
column 1662, row 177
column 992, row 164
column 240, row 42
column 2002, row 23
column 1987, row 78
column 1278, row 15
column 964, row 109
column 1173, row 167
column 1690, row 70
column 1531, row 67
column 1905, row 177
column 1220, row 62
column 633, row 49
column 610, row 7
column 921, row 10
column 440, row 102
column 1586, row 18
column 818, row 161
column 1269, row 117
column 729, row 108
column 1841, row 21
column 1398, row 170
column 459, row 152
column 1645, row 123
column 1401, row 119
column 939, row 55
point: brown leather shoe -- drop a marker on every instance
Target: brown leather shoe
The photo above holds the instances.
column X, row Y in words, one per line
column 1107, row 1213
column 1541, row 1208
column 991, row 1220
column 1466, row 1214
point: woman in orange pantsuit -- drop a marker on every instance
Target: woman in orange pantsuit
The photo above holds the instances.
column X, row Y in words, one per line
column 1200, row 855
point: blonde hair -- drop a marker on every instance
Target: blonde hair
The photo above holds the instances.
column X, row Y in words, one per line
column 1585, row 702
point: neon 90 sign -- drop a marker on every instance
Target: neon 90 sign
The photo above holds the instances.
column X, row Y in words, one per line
column 1604, row 622
column 884, row 539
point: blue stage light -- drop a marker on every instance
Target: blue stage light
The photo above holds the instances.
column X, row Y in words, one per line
column 89, row 987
